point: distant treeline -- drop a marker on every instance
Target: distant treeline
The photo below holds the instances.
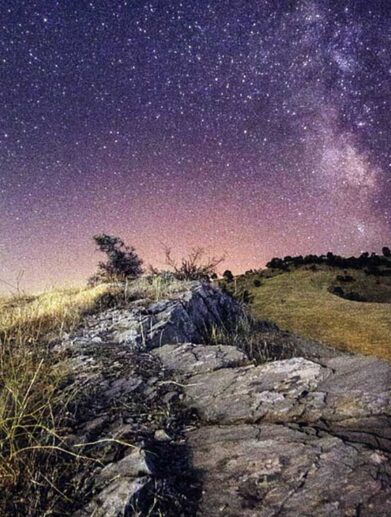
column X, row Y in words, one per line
column 370, row 262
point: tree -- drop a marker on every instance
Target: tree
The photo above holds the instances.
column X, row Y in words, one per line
column 386, row 252
column 193, row 267
column 122, row 262
column 228, row 276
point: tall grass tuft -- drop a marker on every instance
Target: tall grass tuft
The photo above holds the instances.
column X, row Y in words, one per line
column 33, row 411
column 257, row 339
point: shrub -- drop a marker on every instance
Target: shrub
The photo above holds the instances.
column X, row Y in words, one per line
column 345, row 278
column 338, row 291
column 386, row 252
column 275, row 263
column 355, row 297
column 347, row 295
column 261, row 341
column 195, row 266
column 122, row 263
column 228, row 276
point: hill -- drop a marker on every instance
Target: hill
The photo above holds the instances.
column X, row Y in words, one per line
column 346, row 308
column 154, row 403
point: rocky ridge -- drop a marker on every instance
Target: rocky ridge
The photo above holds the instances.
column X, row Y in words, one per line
column 183, row 427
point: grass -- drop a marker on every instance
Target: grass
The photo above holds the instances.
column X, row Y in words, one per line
column 155, row 288
column 32, row 405
column 258, row 344
column 300, row 301
column 28, row 319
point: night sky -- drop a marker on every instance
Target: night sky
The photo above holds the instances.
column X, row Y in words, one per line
column 252, row 128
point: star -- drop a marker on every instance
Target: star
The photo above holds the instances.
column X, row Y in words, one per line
column 253, row 129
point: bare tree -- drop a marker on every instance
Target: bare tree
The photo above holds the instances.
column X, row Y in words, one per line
column 16, row 287
column 196, row 266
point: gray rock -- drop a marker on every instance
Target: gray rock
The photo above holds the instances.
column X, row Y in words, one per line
column 192, row 359
column 115, row 500
column 161, row 436
column 133, row 465
column 184, row 319
column 117, row 485
column 270, row 470
column 350, row 397
column 309, row 434
column 247, row 394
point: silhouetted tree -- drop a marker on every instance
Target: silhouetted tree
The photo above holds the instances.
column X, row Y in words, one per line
column 276, row 263
column 369, row 262
column 228, row 276
column 122, row 262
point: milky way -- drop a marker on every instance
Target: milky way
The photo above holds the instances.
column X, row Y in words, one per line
column 253, row 128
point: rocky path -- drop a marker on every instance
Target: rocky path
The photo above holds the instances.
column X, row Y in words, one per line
column 214, row 434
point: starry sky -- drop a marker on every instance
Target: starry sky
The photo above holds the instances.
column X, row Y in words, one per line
column 252, row 128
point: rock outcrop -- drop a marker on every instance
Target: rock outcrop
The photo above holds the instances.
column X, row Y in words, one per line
column 187, row 318
column 183, row 427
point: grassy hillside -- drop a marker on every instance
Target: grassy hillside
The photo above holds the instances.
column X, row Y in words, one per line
column 300, row 301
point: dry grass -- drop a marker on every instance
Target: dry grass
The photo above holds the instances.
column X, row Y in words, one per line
column 32, row 407
column 27, row 319
column 247, row 336
column 155, row 288
column 299, row 301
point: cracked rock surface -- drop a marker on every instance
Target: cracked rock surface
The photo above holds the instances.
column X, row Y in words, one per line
column 294, row 437
column 192, row 359
column 268, row 469
column 213, row 433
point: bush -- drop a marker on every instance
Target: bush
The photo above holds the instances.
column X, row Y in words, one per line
column 228, row 276
column 365, row 260
column 347, row 295
column 122, row 262
column 195, row 266
column 345, row 278
column 338, row 291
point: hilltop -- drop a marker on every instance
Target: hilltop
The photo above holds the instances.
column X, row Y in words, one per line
column 167, row 399
column 343, row 302
column 177, row 394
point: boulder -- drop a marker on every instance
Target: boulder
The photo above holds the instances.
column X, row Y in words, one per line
column 118, row 486
column 350, row 396
column 188, row 318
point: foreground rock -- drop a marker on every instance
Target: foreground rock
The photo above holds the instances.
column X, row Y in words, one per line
column 181, row 427
column 192, row 359
column 349, row 397
column 185, row 319
column 298, row 438
column 268, row 470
